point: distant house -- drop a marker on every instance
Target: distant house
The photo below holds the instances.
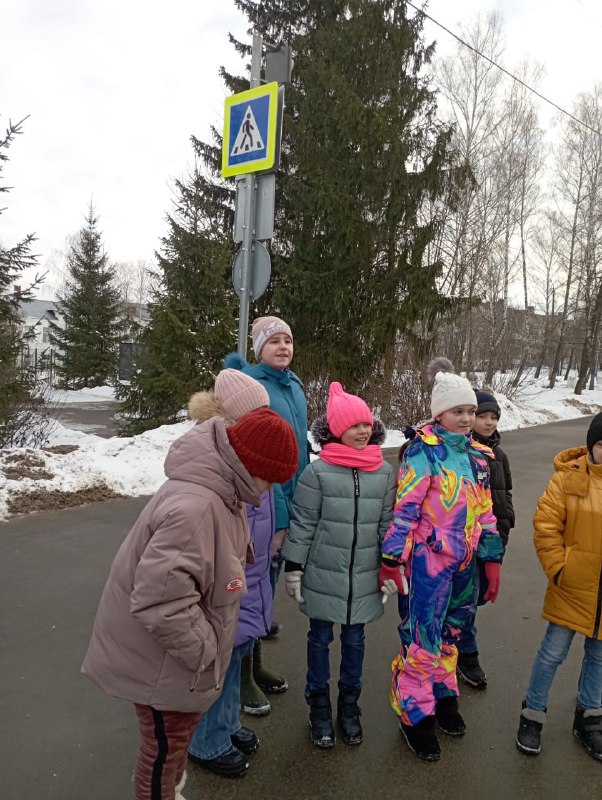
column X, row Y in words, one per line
column 37, row 316
column 138, row 312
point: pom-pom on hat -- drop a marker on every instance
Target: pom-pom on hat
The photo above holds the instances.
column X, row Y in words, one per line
column 594, row 432
column 345, row 410
column 264, row 328
column 487, row 402
column 266, row 445
column 449, row 390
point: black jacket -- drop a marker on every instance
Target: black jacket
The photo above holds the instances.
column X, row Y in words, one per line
column 501, row 485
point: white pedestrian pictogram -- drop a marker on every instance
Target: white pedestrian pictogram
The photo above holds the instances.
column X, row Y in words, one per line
column 248, row 139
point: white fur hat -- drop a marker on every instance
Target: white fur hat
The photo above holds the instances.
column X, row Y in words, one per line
column 449, row 390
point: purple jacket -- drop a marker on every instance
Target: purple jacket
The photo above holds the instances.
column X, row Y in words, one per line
column 256, row 606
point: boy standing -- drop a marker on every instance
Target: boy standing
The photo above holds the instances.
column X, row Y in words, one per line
column 485, row 432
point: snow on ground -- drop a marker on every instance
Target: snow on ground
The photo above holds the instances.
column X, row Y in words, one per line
column 133, row 466
column 100, row 394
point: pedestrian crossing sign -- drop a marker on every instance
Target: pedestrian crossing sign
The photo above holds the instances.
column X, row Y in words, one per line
column 250, row 130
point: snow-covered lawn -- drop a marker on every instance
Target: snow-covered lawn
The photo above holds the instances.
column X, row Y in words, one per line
column 134, row 466
column 100, row 394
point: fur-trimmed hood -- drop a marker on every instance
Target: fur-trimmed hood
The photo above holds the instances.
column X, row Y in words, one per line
column 322, row 434
column 203, row 406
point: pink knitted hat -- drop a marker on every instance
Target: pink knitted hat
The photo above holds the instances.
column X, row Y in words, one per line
column 345, row 410
column 264, row 328
column 238, row 393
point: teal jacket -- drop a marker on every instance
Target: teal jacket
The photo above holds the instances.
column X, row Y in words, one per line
column 288, row 400
column 339, row 519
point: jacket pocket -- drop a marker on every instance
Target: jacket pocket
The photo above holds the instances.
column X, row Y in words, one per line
column 564, row 576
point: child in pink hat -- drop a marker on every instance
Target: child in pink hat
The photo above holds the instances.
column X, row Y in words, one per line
column 341, row 510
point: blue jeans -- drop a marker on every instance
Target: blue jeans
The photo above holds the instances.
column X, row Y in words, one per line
column 319, row 638
column 552, row 652
column 212, row 735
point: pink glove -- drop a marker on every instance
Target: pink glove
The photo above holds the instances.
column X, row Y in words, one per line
column 492, row 571
column 390, row 577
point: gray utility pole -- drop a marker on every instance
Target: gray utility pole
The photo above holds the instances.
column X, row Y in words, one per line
column 249, row 216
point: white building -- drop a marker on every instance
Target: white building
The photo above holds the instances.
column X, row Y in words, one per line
column 37, row 316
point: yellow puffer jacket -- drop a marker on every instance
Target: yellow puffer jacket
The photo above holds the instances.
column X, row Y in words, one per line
column 568, row 540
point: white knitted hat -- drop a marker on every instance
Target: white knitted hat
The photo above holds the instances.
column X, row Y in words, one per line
column 449, row 390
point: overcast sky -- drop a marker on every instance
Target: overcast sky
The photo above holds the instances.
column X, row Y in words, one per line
column 115, row 88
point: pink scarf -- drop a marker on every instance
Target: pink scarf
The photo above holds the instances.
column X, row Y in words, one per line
column 369, row 459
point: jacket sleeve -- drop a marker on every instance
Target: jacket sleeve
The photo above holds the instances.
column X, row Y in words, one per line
column 549, row 522
column 388, row 505
column 413, row 485
column 490, row 547
column 508, row 486
column 305, row 515
column 282, row 509
column 171, row 577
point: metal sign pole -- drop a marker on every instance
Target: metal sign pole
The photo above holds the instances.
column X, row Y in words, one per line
column 249, row 217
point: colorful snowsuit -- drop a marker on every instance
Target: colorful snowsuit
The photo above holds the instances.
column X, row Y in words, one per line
column 442, row 517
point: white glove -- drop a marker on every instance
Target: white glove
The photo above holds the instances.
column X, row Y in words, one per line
column 292, row 584
column 390, row 588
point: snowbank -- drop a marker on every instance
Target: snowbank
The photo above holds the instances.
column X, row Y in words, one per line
column 134, row 466
column 100, row 394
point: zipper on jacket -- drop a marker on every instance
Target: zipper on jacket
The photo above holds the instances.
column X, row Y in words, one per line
column 598, row 608
column 356, row 494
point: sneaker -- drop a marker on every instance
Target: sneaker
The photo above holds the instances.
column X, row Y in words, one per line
column 422, row 740
column 448, row 717
column 470, row 670
column 231, row 764
column 528, row 736
column 587, row 727
column 245, row 740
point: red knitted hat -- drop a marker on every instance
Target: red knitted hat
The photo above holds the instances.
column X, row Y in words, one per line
column 266, row 445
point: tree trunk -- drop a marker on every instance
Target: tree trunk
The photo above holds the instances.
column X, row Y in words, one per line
column 567, row 293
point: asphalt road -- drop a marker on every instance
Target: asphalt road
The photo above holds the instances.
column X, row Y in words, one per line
column 92, row 417
column 62, row 738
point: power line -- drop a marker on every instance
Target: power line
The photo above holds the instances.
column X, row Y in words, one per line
column 504, row 70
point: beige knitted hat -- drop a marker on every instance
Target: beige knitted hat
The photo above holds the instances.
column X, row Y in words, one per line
column 264, row 328
column 238, row 393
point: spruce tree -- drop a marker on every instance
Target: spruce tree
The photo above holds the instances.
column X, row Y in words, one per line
column 92, row 313
column 17, row 383
column 192, row 322
column 366, row 171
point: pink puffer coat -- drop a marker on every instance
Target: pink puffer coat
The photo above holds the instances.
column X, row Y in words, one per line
column 165, row 625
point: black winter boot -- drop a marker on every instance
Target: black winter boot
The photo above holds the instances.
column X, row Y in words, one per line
column 320, row 718
column 587, row 727
column 528, row 736
column 449, row 718
column 470, row 670
column 271, row 682
column 422, row 740
column 348, row 715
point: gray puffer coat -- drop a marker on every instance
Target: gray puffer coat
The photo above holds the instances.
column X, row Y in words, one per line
column 339, row 518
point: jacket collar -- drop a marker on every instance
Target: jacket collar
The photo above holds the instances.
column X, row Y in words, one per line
column 204, row 456
column 489, row 441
